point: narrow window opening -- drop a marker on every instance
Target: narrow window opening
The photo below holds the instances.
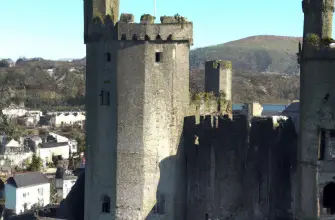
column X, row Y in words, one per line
column 329, row 198
column 322, row 144
column 206, row 216
column 107, row 98
column 109, row 57
column 158, row 57
column 134, row 37
column 158, row 37
column 104, row 97
column 169, row 37
column 146, row 37
column 101, row 95
column 106, row 204
column 123, row 37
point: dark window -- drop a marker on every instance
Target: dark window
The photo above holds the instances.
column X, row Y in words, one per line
column 146, row 37
column 109, row 57
column 158, row 57
column 104, row 97
column 322, row 144
column 206, row 216
column 170, row 37
column 123, row 37
column 158, row 37
column 106, row 204
column 134, row 37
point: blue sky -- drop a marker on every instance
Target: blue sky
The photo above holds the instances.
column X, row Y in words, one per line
column 53, row 29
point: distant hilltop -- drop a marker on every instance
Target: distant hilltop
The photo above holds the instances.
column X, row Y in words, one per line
column 255, row 54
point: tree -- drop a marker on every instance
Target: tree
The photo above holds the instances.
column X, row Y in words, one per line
column 36, row 163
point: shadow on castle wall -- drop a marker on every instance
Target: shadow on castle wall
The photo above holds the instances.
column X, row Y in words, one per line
column 171, row 192
column 239, row 173
column 223, row 170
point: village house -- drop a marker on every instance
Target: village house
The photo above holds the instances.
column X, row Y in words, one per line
column 13, row 152
column 47, row 150
column 73, row 144
column 64, row 179
column 32, row 142
column 59, row 119
column 26, row 190
column 14, row 111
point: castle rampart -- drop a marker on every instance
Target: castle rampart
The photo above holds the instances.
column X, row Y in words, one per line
column 103, row 28
column 239, row 172
column 155, row 32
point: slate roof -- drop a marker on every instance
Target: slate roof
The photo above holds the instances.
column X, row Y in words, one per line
column 293, row 107
column 27, row 179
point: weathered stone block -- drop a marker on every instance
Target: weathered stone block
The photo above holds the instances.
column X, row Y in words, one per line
column 168, row 20
column 147, row 19
column 127, row 18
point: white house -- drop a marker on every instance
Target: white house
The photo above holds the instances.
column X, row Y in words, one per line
column 59, row 138
column 26, row 190
column 14, row 111
column 14, row 152
column 72, row 143
column 64, row 181
column 49, row 149
column 58, row 119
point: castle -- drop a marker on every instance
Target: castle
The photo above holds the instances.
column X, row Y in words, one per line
column 155, row 153
column 316, row 185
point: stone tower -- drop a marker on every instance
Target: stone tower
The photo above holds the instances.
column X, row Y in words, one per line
column 218, row 77
column 137, row 93
column 316, row 187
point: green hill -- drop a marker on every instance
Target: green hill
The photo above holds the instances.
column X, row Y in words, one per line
column 256, row 54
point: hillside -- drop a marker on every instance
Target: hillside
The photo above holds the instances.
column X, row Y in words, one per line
column 256, row 54
column 49, row 84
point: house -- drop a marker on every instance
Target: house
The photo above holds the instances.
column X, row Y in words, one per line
column 65, row 179
column 32, row 142
column 14, row 111
column 26, row 190
column 72, row 143
column 14, row 152
column 49, row 149
column 59, row 119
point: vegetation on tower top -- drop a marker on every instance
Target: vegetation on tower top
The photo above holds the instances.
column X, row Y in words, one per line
column 148, row 19
column 224, row 64
column 127, row 18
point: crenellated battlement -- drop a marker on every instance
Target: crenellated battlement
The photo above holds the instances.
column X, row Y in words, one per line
column 170, row 29
column 155, row 32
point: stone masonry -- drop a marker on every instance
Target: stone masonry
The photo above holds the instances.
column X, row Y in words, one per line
column 316, row 197
column 137, row 98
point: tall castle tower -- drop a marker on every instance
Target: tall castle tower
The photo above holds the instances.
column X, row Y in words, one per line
column 316, row 187
column 137, row 93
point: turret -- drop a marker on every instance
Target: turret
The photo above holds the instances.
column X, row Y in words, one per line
column 318, row 17
column 99, row 8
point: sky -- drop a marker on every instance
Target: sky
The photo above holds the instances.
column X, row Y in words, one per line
column 53, row 29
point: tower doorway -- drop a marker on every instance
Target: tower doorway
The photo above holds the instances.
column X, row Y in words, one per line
column 329, row 198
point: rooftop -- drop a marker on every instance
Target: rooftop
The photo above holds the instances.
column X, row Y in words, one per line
column 27, row 179
column 53, row 144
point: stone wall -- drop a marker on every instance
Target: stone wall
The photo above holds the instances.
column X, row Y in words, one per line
column 239, row 173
